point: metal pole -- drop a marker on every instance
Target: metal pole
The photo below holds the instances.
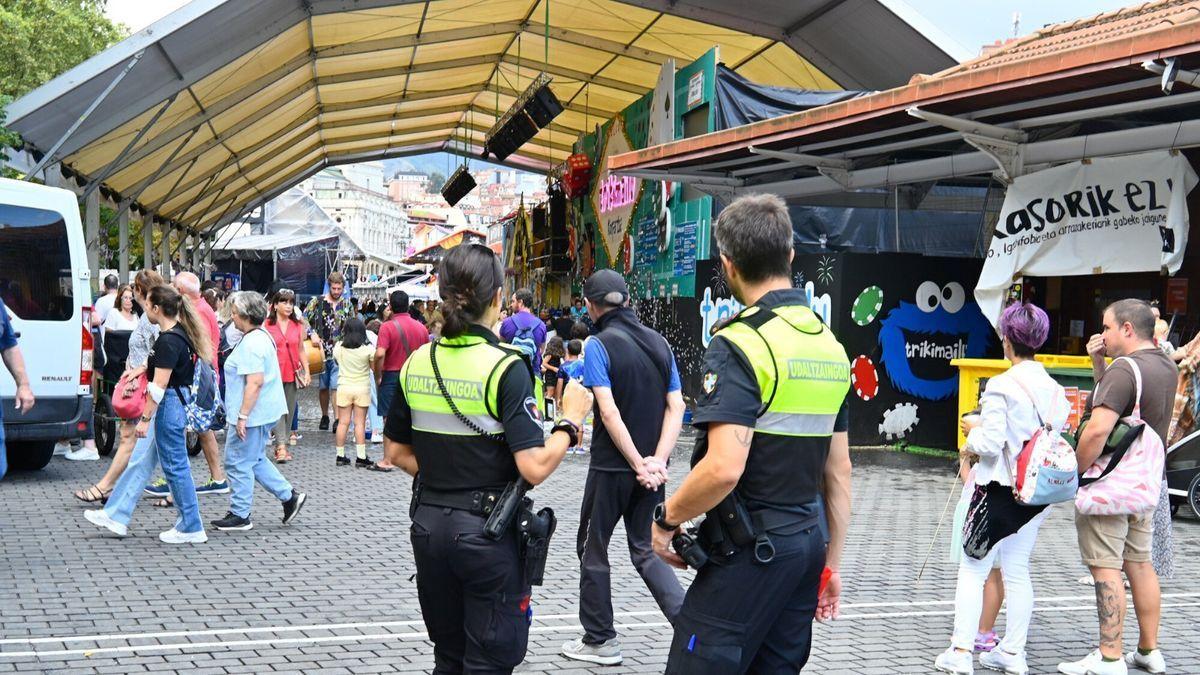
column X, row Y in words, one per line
column 116, row 163
column 49, row 156
column 91, row 233
column 147, row 242
column 165, row 246
column 123, row 245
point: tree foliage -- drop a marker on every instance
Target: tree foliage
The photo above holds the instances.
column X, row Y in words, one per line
column 45, row 38
column 436, row 180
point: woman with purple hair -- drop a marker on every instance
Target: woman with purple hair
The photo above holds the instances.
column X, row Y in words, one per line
column 1013, row 405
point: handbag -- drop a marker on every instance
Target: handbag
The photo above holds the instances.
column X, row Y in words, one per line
column 1128, row 481
column 1046, row 470
column 131, row 405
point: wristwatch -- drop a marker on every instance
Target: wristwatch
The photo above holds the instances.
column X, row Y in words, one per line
column 571, row 429
column 145, row 419
column 660, row 518
column 243, row 416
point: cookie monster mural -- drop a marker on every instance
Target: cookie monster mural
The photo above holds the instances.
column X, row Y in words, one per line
column 918, row 339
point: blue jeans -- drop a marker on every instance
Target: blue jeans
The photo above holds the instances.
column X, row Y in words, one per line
column 387, row 390
column 295, row 418
column 374, row 418
column 129, row 487
column 245, row 463
column 329, row 378
column 164, row 444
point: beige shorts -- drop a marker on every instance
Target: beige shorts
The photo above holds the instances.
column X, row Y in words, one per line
column 353, row 396
column 1110, row 541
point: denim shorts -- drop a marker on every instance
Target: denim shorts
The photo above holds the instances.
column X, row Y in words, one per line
column 329, row 378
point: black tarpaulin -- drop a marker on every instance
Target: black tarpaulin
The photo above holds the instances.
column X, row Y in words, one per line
column 740, row 101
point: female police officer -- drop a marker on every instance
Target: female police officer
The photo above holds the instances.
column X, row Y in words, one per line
column 465, row 416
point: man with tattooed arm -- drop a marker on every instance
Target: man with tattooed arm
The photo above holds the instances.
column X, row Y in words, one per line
column 1110, row 544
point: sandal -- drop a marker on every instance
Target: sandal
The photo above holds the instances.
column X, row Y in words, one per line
column 375, row 467
column 281, row 456
column 164, row 503
column 92, row 494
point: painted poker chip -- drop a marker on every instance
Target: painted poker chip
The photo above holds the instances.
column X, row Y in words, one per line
column 864, row 378
column 867, row 305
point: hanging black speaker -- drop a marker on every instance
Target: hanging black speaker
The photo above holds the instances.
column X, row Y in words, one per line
column 543, row 106
column 458, row 185
column 532, row 110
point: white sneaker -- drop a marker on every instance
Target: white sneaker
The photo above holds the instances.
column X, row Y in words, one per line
column 1093, row 664
column 174, row 536
column 998, row 659
column 99, row 517
column 954, row 661
column 377, row 437
column 1151, row 663
column 61, row 449
column 83, row 454
column 607, row 653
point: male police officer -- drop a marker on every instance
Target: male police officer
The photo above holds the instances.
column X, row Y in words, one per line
column 639, row 409
column 773, row 440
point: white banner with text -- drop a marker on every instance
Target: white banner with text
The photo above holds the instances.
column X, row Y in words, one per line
column 1113, row 214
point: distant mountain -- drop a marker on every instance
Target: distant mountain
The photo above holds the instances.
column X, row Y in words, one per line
column 440, row 162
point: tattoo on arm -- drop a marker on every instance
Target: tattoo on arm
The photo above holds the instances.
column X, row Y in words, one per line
column 1109, row 605
column 744, row 436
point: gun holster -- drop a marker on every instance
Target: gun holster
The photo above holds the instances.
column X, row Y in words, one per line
column 536, row 530
column 416, row 497
column 729, row 527
column 508, row 507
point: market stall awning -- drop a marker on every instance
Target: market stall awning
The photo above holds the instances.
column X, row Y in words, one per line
column 224, row 103
column 432, row 254
column 1070, row 91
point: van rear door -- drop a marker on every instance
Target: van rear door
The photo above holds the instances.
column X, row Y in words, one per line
column 42, row 291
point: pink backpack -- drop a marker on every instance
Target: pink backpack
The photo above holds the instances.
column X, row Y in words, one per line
column 1128, row 481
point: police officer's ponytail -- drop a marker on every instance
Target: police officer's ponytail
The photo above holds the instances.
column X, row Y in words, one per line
column 468, row 277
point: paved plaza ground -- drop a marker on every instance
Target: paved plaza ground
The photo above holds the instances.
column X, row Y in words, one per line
column 334, row 592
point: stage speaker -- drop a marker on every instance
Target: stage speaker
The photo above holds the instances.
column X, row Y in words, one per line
column 543, row 106
column 560, row 238
column 458, row 185
column 533, row 109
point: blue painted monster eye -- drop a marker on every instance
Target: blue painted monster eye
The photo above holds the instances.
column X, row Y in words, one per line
column 929, row 297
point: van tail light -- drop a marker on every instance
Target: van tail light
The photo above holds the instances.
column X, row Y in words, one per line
column 86, row 355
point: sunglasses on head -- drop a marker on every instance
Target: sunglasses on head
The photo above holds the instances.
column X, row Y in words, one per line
column 285, row 294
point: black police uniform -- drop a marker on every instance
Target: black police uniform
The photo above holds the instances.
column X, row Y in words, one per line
column 474, row 597
column 741, row 615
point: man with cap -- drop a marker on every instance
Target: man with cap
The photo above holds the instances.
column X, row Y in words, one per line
column 639, row 409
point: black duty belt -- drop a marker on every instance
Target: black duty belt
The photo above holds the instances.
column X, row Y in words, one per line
column 477, row 502
column 769, row 520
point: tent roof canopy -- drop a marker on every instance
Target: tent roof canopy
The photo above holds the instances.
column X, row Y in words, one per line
column 227, row 103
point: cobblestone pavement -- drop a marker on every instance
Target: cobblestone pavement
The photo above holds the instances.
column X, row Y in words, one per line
column 334, row 591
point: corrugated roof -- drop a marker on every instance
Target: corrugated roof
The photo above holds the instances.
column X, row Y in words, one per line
column 1025, row 68
column 230, row 102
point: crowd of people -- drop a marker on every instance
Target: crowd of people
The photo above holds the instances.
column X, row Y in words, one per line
column 461, row 393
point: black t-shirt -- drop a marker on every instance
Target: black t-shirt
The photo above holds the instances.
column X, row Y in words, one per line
column 173, row 351
column 456, row 462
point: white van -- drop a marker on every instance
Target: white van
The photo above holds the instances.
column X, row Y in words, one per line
column 44, row 282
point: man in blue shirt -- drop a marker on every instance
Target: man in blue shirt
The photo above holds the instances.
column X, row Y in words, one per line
column 525, row 330
column 16, row 365
column 639, row 411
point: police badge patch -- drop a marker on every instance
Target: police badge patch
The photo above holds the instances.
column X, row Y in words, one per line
column 710, row 382
column 533, row 409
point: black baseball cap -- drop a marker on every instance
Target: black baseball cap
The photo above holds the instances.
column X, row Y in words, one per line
column 607, row 287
